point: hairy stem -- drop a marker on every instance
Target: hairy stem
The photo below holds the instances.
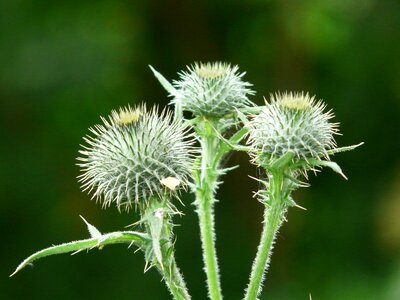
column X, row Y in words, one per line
column 273, row 218
column 171, row 273
column 158, row 224
column 206, row 217
column 206, row 183
column 174, row 279
column 129, row 237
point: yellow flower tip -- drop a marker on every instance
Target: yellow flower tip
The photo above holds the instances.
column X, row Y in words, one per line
column 299, row 104
column 126, row 116
column 295, row 101
column 170, row 182
column 210, row 71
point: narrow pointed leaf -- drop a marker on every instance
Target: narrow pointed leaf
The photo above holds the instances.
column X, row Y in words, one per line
column 94, row 232
column 242, row 117
column 156, row 224
column 238, row 136
column 164, row 82
column 334, row 166
column 296, row 181
column 343, row 149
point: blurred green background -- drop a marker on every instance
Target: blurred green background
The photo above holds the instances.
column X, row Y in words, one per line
column 65, row 63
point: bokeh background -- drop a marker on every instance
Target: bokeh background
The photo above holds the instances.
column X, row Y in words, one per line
column 65, row 63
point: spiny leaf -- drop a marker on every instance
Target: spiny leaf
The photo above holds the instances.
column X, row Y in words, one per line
column 87, row 244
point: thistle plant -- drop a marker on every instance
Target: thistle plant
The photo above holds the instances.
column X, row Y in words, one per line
column 290, row 136
column 142, row 159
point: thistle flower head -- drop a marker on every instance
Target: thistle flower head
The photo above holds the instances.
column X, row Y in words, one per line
column 212, row 89
column 134, row 155
column 293, row 122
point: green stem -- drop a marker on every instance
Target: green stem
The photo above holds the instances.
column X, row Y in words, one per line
column 206, row 183
column 171, row 273
column 273, row 218
column 174, row 280
column 159, row 226
column 206, row 217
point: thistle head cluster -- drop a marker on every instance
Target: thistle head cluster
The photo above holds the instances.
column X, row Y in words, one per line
column 212, row 89
column 134, row 155
column 293, row 122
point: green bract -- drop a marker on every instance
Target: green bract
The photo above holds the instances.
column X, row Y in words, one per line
column 134, row 155
column 212, row 89
column 293, row 122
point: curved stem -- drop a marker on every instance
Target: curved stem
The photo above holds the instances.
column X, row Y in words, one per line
column 206, row 183
column 273, row 218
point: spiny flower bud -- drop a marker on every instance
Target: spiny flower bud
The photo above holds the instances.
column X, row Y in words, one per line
column 293, row 122
column 212, row 89
column 134, row 155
